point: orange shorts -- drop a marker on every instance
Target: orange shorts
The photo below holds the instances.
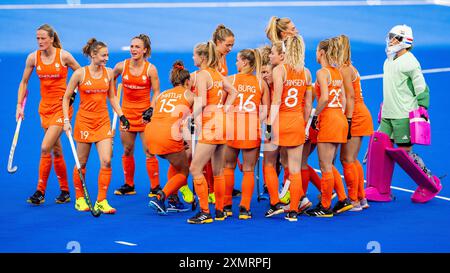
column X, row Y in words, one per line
column 166, row 140
column 213, row 128
column 91, row 128
column 289, row 129
column 52, row 114
column 361, row 121
column 243, row 130
column 333, row 126
column 134, row 116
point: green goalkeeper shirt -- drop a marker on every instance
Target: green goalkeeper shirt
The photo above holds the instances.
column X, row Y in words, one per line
column 403, row 81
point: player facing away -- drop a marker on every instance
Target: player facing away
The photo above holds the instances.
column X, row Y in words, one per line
column 172, row 108
column 139, row 78
column 95, row 84
column 404, row 121
column 214, row 96
column 51, row 63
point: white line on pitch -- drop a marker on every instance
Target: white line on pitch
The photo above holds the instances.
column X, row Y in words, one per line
column 223, row 4
column 125, row 243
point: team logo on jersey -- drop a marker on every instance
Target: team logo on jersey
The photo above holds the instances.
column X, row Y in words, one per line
column 106, row 80
column 125, row 77
column 38, row 67
column 87, row 83
column 57, row 66
column 144, row 78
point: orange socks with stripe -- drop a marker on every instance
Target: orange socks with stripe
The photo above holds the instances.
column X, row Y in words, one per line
column 104, row 179
column 219, row 191
column 45, row 166
column 201, row 188
column 175, row 183
column 360, row 171
column 339, row 185
column 248, row 184
column 351, row 179
column 153, row 171
column 61, row 172
column 295, row 188
column 272, row 184
column 128, row 169
column 228, row 173
column 77, row 182
column 327, row 185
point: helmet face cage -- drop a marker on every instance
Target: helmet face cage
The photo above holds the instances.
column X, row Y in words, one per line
column 395, row 36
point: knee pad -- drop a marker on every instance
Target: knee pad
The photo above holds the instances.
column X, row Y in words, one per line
column 380, row 168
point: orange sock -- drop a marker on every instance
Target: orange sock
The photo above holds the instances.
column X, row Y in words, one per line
column 104, row 179
column 153, row 171
column 77, row 182
column 128, row 169
column 208, row 173
column 339, row 185
column 327, row 186
column 295, row 188
column 219, row 191
column 61, row 172
column 314, row 177
column 272, row 184
column 351, row 179
column 174, row 184
column 360, row 171
column 171, row 172
column 305, row 180
column 201, row 188
column 286, row 175
column 228, row 173
column 248, row 184
column 45, row 166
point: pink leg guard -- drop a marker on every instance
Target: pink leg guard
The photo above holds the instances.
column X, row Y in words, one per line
column 428, row 187
column 420, row 129
column 380, row 168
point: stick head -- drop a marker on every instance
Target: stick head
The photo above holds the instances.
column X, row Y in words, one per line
column 12, row 170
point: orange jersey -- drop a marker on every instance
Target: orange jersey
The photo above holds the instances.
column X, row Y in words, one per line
column 52, row 78
column 171, row 108
column 244, row 120
column 213, row 120
column 223, row 68
column 332, row 123
column 136, row 95
column 92, row 123
column 362, row 119
column 289, row 128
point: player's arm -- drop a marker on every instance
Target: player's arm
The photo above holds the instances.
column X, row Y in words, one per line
column 70, row 89
column 117, row 71
column 419, row 85
column 21, row 93
column 69, row 60
column 322, row 79
column 153, row 75
column 265, row 99
column 308, row 95
column 231, row 92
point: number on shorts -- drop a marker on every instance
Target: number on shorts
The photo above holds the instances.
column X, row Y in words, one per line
column 291, row 95
column 84, row 134
column 248, row 105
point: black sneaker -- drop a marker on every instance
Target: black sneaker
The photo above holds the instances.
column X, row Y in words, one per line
column 342, row 206
column 158, row 203
column 244, row 214
column 201, row 218
column 175, row 205
column 320, row 211
column 154, row 192
column 64, row 197
column 228, row 210
column 291, row 216
column 236, row 193
column 37, row 198
column 220, row 215
column 275, row 209
column 265, row 194
column 125, row 189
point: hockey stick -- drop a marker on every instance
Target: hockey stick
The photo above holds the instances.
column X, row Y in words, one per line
column 12, row 169
column 192, row 129
column 114, row 122
column 95, row 213
column 258, row 189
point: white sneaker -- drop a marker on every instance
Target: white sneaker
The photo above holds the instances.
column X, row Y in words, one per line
column 356, row 206
column 304, row 204
column 364, row 204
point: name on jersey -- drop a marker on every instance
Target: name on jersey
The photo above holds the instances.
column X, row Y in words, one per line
column 295, row 83
column 217, row 84
column 246, row 88
column 93, row 91
column 336, row 82
column 49, row 76
column 170, row 95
